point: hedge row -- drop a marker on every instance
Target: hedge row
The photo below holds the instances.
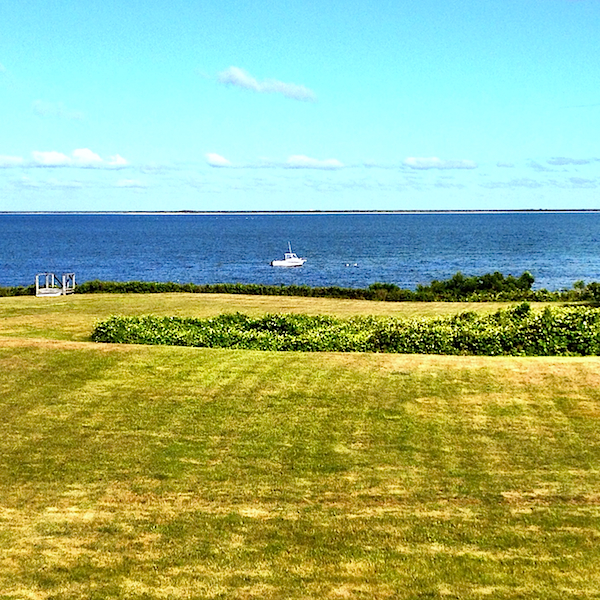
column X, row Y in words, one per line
column 518, row 331
column 459, row 288
column 494, row 286
column 17, row 291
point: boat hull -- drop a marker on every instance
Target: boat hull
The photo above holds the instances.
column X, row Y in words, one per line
column 288, row 263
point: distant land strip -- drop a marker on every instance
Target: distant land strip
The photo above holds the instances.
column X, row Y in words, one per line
column 302, row 212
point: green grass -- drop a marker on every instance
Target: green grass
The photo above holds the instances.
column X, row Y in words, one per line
column 133, row 472
column 73, row 317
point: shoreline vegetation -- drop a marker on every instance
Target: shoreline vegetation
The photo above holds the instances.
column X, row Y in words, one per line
column 491, row 287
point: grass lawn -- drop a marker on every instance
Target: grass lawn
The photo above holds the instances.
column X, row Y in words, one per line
column 72, row 317
column 133, row 472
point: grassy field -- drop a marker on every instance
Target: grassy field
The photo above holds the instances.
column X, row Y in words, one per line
column 134, row 472
column 72, row 317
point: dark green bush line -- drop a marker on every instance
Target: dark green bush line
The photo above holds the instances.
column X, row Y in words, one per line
column 459, row 288
column 489, row 287
column 518, row 331
column 143, row 287
column 17, row 291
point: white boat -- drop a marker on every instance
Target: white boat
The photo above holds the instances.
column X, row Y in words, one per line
column 290, row 259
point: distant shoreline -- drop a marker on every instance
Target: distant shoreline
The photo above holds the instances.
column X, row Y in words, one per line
column 305, row 212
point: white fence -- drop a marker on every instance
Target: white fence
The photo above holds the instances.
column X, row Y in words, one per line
column 48, row 284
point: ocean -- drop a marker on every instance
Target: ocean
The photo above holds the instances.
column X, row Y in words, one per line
column 342, row 249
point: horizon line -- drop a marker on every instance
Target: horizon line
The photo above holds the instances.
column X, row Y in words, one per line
column 300, row 212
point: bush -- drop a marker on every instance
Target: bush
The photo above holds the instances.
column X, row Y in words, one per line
column 459, row 288
column 17, row 291
column 518, row 331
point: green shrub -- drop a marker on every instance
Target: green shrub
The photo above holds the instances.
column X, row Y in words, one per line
column 459, row 288
column 17, row 291
column 518, row 331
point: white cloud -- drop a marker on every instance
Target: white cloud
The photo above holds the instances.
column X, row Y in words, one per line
column 81, row 158
column 538, row 167
column 117, row 161
column 299, row 161
column 10, row 161
column 2, row 68
column 582, row 182
column 372, row 164
column 50, row 159
column 55, row 110
column 289, row 90
column 85, row 157
column 51, row 184
column 216, row 160
column 524, row 182
column 130, row 183
column 574, row 183
column 562, row 160
column 437, row 163
column 240, row 78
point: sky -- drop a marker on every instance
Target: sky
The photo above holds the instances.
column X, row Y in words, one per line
column 262, row 105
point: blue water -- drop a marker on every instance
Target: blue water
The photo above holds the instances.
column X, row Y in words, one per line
column 405, row 249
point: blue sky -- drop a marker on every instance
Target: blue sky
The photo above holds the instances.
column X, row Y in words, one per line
column 312, row 105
